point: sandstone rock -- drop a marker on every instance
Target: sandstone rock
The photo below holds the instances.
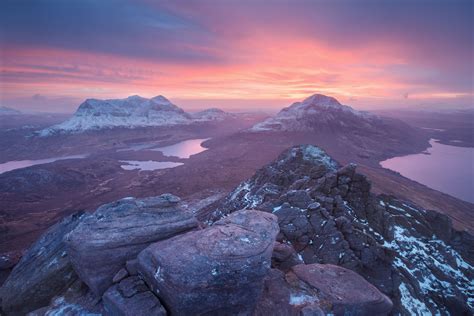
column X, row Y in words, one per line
column 43, row 272
column 131, row 297
column 132, row 266
column 346, row 292
column 320, row 290
column 100, row 246
column 218, row 270
column 77, row 300
column 122, row 274
column 9, row 259
column 275, row 298
column 284, row 256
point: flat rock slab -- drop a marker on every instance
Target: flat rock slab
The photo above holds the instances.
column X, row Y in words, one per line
column 131, row 297
column 218, row 270
column 42, row 273
column 100, row 246
column 345, row 291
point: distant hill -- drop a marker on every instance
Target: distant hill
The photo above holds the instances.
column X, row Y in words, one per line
column 131, row 112
column 8, row 111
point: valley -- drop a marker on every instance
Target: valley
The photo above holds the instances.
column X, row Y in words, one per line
column 34, row 198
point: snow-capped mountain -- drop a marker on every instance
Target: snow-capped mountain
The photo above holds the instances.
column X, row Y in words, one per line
column 315, row 112
column 131, row 112
column 212, row 114
column 8, row 111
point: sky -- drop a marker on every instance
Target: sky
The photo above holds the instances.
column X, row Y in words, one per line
column 238, row 54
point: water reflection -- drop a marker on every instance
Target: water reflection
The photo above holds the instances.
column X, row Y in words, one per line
column 445, row 168
column 184, row 149
column 148, row 165
column 18, row 164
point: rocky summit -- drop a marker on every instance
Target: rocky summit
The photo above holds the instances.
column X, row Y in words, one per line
column 303, row 236
column 327, row 213
column 103, row 242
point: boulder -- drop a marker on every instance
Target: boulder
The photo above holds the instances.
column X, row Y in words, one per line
column 344, row 291
column 317, row 289
column 275, row 298
column 100, row 246
column 42, row 273
column 131, row 297
column 284, row 256
column 218, row 270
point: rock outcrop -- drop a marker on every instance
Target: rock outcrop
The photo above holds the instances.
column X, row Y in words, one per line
column 131, row 297
column 320, row 289
column 304, row 236
column 43, row 272
column 102, row 243
column 219, row 270
column 327, row 213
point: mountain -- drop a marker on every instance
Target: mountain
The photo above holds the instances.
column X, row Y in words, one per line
column 317, row 112
column 8, row 111
column 131, row 112
column 335, row 126
column 328, row 214
column 303, row 236
column 212, row 114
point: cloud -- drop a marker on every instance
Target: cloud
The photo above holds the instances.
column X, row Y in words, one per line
column 232, row 49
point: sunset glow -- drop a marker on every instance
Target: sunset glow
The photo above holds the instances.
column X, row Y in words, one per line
column 231, row 54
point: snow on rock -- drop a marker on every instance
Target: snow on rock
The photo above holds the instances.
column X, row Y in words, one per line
column 8, row 111
column 328, row 215
column 211, row 115
column 134, row 111
column 314, row 110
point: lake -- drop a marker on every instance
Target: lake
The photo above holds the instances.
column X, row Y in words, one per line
column 183, row 150
column 18, row 164
column 445, row 168
column 148, row 165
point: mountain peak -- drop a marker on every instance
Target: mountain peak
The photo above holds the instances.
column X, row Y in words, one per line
column 160, row 99
column 315, row 112
column 133, row 111
column 321, row 99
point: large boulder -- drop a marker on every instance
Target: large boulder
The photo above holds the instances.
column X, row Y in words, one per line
column 343, row 291
column 43, row 272
column 218, row 270
column 318, row 289
column 100, row 246
column 131, row 297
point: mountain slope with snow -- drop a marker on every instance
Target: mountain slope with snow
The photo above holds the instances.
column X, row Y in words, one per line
column 329, row 215
column 212, row 114
column 131, row 112
column 8, row 111
column 315, row 112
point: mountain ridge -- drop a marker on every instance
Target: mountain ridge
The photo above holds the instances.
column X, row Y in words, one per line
column 131, row 112
column 317, row 108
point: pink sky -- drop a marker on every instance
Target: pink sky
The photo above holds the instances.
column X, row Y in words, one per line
column 241, row 55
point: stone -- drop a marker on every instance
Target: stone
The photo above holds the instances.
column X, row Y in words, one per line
column 100, row 246
column 122, row 274
column 275, row 298
column 346, row 291
column 218, row 270
column 131, row 297
column 284, row 256
column 42, row 273
column 132, row 266
column 9, row 259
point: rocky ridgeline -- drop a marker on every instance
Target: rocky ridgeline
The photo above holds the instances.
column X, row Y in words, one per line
column 327, row 214
column 304, row 236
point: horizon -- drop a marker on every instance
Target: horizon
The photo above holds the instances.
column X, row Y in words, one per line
column 235, row 56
